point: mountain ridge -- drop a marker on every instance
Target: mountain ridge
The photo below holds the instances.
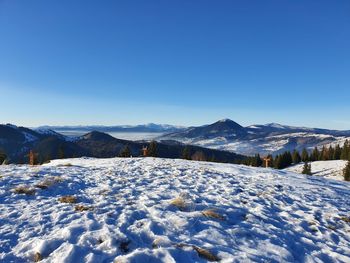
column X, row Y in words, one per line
column 16, row 142
column 271, row 138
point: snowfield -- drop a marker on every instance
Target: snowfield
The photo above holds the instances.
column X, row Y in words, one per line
column 328, row 169
column 162, row 210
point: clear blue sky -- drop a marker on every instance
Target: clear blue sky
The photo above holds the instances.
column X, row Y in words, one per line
column 178, row 62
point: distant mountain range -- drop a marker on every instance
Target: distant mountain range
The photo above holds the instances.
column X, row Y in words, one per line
column 150, row 127
column 265, row 139
column 223, row 135
column 16, row 142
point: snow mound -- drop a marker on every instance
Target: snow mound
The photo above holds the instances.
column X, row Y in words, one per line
column 162, row 210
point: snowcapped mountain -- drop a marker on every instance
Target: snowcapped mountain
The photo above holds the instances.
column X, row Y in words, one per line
column 163, row 210
column 271, row 138
column 224, row 127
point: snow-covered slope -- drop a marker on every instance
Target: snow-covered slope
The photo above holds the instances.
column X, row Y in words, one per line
column 162, row 210
column 271, row 144
column 328, row 169
column 266, row 139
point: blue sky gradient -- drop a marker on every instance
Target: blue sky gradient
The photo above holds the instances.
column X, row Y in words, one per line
column 177, row 62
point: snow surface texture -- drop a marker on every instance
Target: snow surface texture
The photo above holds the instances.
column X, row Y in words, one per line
column 162, row 210
column 327, row 169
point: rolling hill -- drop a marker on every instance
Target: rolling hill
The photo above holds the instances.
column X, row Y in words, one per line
column 264, row 139
column 16, row 142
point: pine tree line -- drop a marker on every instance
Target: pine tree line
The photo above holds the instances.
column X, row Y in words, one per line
column 288, row 158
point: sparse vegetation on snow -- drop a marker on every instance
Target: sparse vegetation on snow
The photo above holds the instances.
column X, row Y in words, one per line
column 149, row 209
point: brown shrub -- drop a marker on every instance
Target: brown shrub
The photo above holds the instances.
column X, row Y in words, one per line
column 206, row 254
column 345, row 219
column 210, row 213
column 24, row 190
column 37, row 257
column 179, row 202
column 82, row 208
column 49, row 182
column 68, row 199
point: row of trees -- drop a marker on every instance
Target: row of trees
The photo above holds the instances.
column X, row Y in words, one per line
column 280, row 161
column 187, row 153
column 287, row 158
column 152, row 150
column 327, row 153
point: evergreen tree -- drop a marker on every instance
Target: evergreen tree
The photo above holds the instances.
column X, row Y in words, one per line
column 125, row 152
column 152, row 149
column 331, row 153
column 315, row 156
column 186, row 153
column 304, row 155
column 277, row 162
column 324, row 154
column 346, row 172
column 256, row 161
column 345, row 151
column 337, row 153
column 296, row 157
column 307, row 169
column 282, row 161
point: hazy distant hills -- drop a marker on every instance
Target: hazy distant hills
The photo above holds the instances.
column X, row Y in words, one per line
column 16, row 142
column 270, row 138
column 223, row 135
column 150, row 127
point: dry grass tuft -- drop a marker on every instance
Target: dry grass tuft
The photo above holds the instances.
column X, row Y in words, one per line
column 181, row 245
column 206, row 254
column 82, row 208
column 68, row 199
column 23, row 189
column 179, row 202
column 331, row 227
column 49, row 182
column 345, row 219
column 203, row 253
column 210, row 213
column 37, row 257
